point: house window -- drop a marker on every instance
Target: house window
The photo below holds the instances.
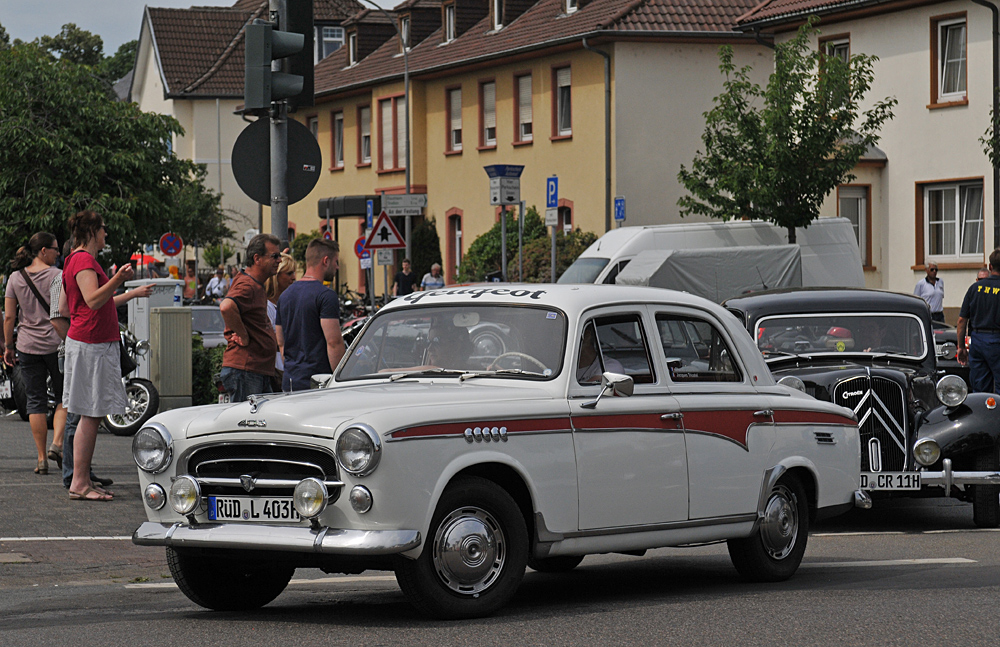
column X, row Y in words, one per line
column 563, row 117
column 352, row 48
column 365, row 135
column 951, row 60
column 454, row 244
column 853, row 204
column 523, row 101
column 454, row 118
column 838, row 48
column 338, row 140
column 449, row 23
column 404, row 32
column 328, row 41
column 571, row 6
column 488, row 114
column 392, row 134
column 954, row 220
column 497, row 15
column 313, row 124
column 566, row 219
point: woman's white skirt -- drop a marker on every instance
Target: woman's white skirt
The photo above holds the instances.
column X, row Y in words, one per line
column 93, row 379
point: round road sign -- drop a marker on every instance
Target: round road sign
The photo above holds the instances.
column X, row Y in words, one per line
column 327, row 235
column 359, row 247
column 171, row 244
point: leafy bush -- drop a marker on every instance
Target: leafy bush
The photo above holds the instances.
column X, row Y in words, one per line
column 205, row 363
column 538, row 255
column 299, row 246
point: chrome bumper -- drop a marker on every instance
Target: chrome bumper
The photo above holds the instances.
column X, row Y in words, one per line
column 947, row 477
column 333, row 541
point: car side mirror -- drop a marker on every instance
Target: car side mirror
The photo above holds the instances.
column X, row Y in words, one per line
column 614, row 384
column 947, row 350
column 320, row 380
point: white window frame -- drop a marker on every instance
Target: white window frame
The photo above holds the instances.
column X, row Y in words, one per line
column 563, row 100
column 449, row 22
column 858, row 194
column 942, row 31
column 392, row 133
column 497, row 15
column 455, row 120
column 312, row 123
column 366, row 136
column 338, row 140
column 839, row 47
column 966, row 233
column 488, row 95
column 336, row 36
column 525, row 111
column 572, row 6
column 352, row 48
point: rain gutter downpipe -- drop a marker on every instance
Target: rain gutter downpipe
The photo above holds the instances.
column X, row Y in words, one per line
column 607, row 132
column 996, row 116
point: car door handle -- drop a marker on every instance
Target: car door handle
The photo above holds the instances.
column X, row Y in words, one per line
column 672, row 416
column 763, row 413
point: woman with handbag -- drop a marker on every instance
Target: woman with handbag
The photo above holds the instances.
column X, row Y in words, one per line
column 37, row 343
column 94, row 386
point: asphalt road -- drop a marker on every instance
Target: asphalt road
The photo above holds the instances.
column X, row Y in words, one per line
column 911, row 572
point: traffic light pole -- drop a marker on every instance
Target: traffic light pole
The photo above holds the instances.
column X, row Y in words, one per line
column 279, row 172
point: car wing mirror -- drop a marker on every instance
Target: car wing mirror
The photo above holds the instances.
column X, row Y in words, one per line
column 614, row 384
column 947, row 350
column 320, row 380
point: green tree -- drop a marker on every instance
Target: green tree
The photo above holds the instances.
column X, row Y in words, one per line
column 483, row 255
column 538, row 255
column 775, row 153
column 74, row 45
column 216, row 255
column 67, row 145
column 299, row 245
column 121, row 63
column 426, row 247
column 4, row 39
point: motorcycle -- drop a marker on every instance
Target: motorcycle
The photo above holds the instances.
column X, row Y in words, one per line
column 143, row 398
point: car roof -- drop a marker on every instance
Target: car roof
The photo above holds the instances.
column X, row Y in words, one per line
column 804, row 300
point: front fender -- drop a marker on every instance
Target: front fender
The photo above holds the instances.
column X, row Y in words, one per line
column 970, row 427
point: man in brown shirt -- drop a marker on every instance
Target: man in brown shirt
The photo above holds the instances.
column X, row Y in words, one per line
column 248, row 362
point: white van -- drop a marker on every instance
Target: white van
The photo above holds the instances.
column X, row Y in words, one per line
column 829, row 248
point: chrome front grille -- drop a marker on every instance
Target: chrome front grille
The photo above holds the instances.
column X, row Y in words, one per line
column 881, row 409
column 263, row 469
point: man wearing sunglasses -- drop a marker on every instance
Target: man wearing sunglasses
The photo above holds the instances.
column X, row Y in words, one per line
column 248, row 362
column 931, row 290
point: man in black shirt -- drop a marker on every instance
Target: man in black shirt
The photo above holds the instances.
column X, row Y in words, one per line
column 980, row 315
column 404, row 281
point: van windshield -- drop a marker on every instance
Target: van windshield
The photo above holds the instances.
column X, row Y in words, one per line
column 583, row 270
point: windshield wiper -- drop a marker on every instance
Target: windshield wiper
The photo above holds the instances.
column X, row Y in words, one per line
column 501, row 371
column 427, row 371
column 783, row 353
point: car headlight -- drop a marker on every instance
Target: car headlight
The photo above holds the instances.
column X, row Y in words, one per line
column 310, row 497
column 185, row 495
column 359, row 450
column 951, row 390
column 794, row 382
column 152, row 447
column 926, row 451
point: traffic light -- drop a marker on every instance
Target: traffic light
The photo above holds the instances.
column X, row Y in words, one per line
column 265, row 43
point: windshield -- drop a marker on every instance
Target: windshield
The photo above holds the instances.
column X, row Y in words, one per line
column 833, row 333
column 583, row 270
column 207, row 320
column 508, row 341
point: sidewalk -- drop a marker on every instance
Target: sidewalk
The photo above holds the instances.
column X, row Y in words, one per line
column 46, row 539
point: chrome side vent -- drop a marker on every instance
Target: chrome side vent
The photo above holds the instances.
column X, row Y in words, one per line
column 825, row 438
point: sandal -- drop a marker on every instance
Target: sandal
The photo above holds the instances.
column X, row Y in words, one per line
column 94, row 485
column 84, row 496
column 43, row 467
column 55, row 454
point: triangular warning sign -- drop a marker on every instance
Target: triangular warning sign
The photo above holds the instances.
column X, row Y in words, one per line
column 384, row 235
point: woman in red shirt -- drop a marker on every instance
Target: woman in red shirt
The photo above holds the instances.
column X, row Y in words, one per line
column 93, row 386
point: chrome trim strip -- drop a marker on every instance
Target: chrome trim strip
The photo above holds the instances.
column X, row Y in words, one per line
column 715, row 434
column 669, row 525
column 813, row 315
column 947, row 477
column 510, row 434
column 862, row 500
column 332, row 541
column 264, row 460
column 235, row 482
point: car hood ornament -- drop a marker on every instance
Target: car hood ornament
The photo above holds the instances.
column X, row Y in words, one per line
column 255, row 402
column 248, row 482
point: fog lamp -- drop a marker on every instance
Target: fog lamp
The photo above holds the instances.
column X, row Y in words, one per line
column 185, row 495
column 951, row 390
column 926, row 451
column 361, row 499
column 310, row 497
column 154, row 496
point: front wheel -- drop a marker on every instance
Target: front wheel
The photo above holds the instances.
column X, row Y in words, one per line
column 474, row 557
column 986, row 498
column 227, row 585
column 143, row 403
column 774, row 551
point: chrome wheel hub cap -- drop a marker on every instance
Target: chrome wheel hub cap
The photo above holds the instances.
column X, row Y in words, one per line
column 469, row 551
column 780, row 526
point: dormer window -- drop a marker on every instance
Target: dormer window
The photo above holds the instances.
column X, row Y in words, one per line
column 449, row 23
column 329, row 40
column 352, row 48
column 497, row 15
column 572, row 6
column 404, row 33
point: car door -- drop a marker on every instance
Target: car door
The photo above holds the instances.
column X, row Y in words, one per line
column 728, row 425
column 631, row 463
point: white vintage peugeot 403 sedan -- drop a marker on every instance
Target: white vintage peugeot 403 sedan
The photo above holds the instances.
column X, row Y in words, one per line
column 470, row 432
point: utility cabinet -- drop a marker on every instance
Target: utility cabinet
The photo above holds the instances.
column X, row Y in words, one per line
column 138, row 313
column 170, row 355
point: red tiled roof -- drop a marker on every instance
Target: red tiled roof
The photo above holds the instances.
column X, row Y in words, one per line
column 325, row 10
column 770, row 10
column 542, row 24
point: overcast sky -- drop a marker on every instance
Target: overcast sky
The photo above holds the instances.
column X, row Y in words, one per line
column 115, row 21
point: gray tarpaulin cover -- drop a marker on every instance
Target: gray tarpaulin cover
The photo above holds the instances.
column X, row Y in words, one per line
column 716, row 273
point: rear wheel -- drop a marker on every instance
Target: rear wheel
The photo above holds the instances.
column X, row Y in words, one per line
column 986, row 498
column 774, row 551
column 474, row 557
column 227, row 585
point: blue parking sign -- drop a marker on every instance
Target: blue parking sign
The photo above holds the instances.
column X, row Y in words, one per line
column 369, row 214
column 552, row 193
column 620, row 208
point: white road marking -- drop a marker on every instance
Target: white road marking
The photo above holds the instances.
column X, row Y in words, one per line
column 899, row 532
column 351, row 579
column 890, row 562
column 7, row 539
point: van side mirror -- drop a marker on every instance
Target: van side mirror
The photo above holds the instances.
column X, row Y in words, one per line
column 614, row 384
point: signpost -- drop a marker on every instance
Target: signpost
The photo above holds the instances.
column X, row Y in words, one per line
column 552, row 214
column 505, row 188
column 171, row 244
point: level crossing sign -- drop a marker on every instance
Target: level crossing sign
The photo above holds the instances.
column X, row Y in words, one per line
column 171, row 244
column 385, row 235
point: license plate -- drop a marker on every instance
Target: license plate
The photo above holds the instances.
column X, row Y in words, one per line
column 223, row 398
column 5, row 391
column 245, row 508
column 890, row 480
